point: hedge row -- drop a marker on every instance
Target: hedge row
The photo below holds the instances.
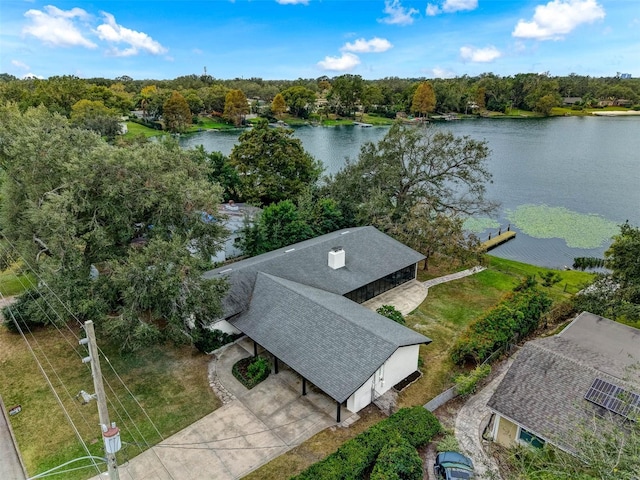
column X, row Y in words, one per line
column 514, row 318
column 398, row 460
column 356, row 457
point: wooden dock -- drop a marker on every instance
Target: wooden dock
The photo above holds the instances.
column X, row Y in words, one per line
column 497, row 240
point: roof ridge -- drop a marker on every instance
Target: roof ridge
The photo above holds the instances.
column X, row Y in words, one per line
column 336, row 311
column 542, row 346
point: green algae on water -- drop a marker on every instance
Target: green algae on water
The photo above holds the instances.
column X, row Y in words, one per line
column 578, row 230
column 480, row 224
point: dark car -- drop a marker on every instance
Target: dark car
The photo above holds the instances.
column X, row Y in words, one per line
column 453, row 465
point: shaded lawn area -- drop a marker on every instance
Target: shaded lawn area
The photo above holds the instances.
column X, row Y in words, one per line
column 170, row 383
column 12, row 282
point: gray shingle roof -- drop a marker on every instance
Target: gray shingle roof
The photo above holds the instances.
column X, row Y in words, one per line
column 370, row 255
column 331, row 341
column 544, row 389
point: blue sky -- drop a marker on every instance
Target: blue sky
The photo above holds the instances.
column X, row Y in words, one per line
column 288, row 39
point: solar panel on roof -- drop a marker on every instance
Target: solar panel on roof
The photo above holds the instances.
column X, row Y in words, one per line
column 614, row 398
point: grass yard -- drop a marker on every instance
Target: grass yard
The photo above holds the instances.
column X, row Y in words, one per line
column 209, row 123
column 135, row 129
column 170, row 383
column 13, row 282
column 375, row 119
column 450, row 307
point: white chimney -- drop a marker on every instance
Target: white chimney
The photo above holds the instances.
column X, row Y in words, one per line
column 336, row 258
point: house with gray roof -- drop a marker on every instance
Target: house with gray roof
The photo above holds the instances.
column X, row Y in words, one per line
column 558, row 384
column 301, row 303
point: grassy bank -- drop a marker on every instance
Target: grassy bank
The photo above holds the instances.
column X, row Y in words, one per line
column 170, row 383
column 450, row 307
column 135, row 129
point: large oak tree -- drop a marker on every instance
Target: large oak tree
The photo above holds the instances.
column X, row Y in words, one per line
column 74, row 206
column 273, row 165
column 415, row 181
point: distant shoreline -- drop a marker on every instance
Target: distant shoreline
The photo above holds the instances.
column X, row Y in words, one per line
column 616, row 113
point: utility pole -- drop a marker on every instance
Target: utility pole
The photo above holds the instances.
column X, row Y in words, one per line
column 110, row 432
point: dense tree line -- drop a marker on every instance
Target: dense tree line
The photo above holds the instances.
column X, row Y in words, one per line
column 343, row 95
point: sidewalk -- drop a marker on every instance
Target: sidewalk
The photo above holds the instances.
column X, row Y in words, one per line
column 471, row 421
column 454, row 276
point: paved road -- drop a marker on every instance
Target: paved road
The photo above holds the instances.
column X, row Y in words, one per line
column 10, row 464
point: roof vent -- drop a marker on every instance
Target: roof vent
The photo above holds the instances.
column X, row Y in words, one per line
column 336, row 258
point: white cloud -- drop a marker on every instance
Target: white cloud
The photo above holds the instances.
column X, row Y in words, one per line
column 397, row 14
column 340, row 64
column 293, row 2
column 19, row 64
column 27, row 76
column 558, row 18
column 56, row 27
column 438, row 72
column 111, row 32
column 451, row 6
column 375, row 45
column 480, row 55
column 432, row 9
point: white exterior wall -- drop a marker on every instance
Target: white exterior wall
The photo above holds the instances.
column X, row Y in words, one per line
column 401, row 364
column 225, row 327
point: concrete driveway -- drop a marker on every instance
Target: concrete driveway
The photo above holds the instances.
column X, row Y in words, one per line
column 254, row 427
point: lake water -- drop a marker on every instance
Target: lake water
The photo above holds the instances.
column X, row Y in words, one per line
column 589, row 166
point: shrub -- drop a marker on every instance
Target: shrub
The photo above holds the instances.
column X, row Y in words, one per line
column 206, row 340
column 466, row 383
column 355, row 458
column 392, row 313
column 514, row 318
column 258, row 369
column 251, row 371
column 449, row 443
column 398, row 460
column 549, row 278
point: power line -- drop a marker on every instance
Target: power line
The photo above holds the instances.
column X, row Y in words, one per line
column 55, row 393
column 73, row 316
column 100, row 351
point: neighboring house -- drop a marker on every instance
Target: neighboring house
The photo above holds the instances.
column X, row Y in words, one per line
column 301, row 304
column 571, row 100
column 236, row 214
column 557, row 384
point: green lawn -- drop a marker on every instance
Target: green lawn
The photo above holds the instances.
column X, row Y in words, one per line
column 375, row 119
column 135, row 129
column 170, row 383
column 450, row 307
column 208, row 123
